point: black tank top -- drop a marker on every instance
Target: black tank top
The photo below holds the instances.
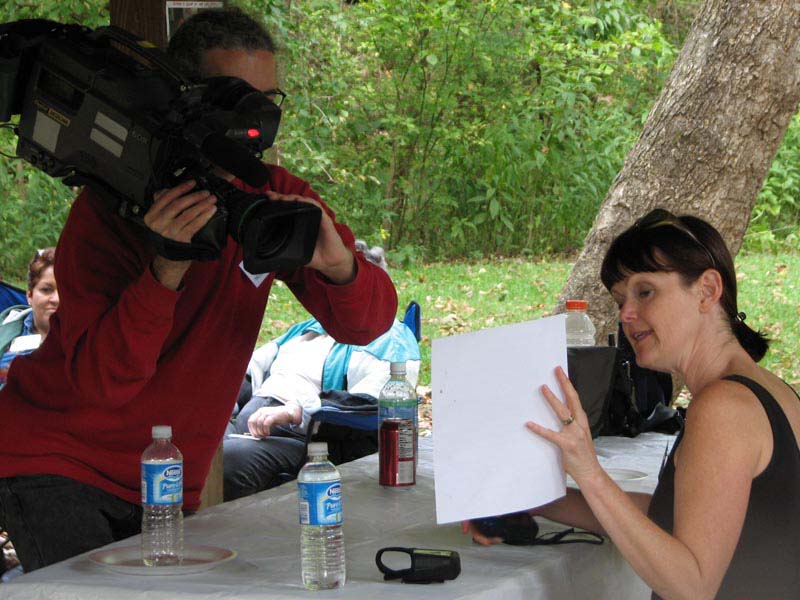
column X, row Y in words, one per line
column 766, row 561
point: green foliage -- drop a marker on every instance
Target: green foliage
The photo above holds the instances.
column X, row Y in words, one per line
column 676, row 16
column 467, row 128
column 448, row 129
column 33, row 212
column 34, row 205
column 92, row 13
column 775, row 223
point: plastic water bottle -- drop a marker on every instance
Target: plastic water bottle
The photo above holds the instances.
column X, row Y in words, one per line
column 319, row 492
column 580, row 329
column 162, row 500
column 397, row 430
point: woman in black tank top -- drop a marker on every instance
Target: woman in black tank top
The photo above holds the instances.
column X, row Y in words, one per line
column 724, row 520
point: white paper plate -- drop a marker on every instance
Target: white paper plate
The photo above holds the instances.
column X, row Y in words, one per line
column 128, row 560
column 617, row 475
column 625, row 474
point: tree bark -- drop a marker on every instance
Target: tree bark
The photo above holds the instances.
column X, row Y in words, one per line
column 708, row 141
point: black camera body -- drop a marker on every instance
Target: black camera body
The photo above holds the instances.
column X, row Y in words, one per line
column 105, row 109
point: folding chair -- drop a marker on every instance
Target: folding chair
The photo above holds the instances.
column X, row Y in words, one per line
column 11, row 296
column 413, row 319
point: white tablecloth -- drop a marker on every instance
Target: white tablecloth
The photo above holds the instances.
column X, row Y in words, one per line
column 264, row 530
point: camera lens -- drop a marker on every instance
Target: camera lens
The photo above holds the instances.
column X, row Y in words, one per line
column 273, row 235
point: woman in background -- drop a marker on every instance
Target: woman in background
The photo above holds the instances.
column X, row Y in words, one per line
column 23, row 328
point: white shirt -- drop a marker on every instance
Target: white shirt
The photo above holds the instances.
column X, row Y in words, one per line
column 296, row 373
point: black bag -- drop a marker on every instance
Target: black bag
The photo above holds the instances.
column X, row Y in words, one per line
column 603, row 382
column 619, row 397
column 652, row 393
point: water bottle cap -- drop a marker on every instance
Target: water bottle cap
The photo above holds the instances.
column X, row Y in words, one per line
column 397, row 368
column 318, row 449
column 162, row 432
column 577, row 305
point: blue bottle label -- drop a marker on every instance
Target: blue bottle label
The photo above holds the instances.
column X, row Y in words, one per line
column 162, row 483
column 398, row 409
column 320, row 502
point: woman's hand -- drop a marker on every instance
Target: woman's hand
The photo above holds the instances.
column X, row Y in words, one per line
column 575, row 437
column 331, row 257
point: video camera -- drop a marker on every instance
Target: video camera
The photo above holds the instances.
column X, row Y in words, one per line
column 105, row 109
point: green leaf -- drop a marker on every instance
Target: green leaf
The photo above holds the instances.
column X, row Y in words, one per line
column 494, row 208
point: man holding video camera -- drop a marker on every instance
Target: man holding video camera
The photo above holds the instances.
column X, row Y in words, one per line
column 142, row 340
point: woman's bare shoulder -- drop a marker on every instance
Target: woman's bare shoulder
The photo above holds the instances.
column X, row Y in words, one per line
column 723, row 400
column 727, row 415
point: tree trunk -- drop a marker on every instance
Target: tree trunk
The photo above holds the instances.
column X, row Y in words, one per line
column 709, row 140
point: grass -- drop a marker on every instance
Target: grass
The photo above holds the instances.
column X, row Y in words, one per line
column 769, row 292
column 459, row 297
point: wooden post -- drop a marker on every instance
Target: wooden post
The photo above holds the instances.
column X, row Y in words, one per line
column 212, row 491
column 145, row 18
column 148, row 18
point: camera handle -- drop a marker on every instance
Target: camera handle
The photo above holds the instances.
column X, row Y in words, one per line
column 172, row 250
column 203, row 247
column 144, row 50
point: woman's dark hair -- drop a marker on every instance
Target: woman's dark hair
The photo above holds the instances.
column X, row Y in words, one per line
column 229, row 28
column 661, row 241
column 41, row 261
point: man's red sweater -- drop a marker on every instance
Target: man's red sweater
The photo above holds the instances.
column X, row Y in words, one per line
column 125, row 353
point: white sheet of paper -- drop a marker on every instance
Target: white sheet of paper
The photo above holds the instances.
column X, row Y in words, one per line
column 486, row 385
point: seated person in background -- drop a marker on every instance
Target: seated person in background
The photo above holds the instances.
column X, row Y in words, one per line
column 375, row 254
column 287, row 376
column 23, row 328
column 723, row 521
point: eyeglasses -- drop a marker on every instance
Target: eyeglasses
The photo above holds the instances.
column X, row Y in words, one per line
column 276, row 96
column 661, row 218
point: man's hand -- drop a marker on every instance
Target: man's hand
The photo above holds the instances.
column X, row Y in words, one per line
column 177, row 214
column 331, row 257
column 265, row 417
